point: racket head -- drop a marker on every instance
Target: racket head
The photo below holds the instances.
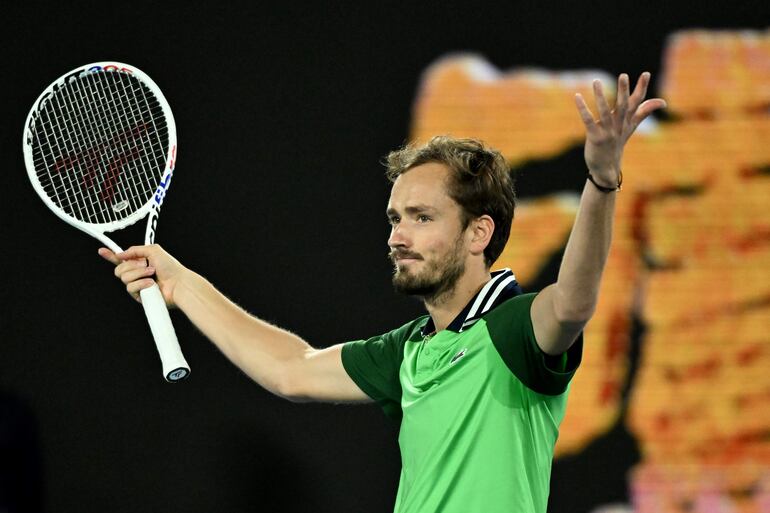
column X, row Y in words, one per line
column 100, row 147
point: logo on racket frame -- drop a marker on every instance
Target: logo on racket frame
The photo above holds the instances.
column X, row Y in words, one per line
column 160, row 194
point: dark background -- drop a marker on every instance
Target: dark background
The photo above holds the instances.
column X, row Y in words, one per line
column 284, row 112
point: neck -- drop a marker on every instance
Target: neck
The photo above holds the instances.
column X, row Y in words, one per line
column 445, row 308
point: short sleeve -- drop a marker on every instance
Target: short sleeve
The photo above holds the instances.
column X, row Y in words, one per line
column 374, row 364
column 510, row 328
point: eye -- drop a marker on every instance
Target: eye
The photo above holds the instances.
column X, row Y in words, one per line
column 393, row 220
column 422, row 218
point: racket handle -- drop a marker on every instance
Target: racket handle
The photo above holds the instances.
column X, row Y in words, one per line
column 175, row 367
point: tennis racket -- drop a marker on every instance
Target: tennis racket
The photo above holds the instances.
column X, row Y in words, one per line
column 100, row 148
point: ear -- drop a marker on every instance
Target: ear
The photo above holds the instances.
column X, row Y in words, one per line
column 481, row 230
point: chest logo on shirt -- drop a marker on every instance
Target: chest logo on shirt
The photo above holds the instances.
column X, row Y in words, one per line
column 459, row 355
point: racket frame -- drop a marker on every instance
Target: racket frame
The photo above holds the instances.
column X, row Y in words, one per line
column 175, row 368
column 152, row 206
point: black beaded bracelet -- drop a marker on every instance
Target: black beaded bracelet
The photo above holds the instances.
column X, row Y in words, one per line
column 606, row 189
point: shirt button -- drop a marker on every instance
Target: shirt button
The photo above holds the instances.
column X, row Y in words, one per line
column 427, row 351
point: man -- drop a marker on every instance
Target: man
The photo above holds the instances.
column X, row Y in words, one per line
column 480, row 384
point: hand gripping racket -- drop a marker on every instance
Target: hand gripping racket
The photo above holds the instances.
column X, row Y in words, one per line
column 100, row 147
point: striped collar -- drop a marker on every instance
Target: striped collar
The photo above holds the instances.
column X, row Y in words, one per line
column 501, row 287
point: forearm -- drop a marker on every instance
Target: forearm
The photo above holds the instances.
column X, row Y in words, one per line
column 577, row 287
column 562, row 309
column 263, row 351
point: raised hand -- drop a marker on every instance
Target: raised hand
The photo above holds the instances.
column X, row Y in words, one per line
column 606, row 136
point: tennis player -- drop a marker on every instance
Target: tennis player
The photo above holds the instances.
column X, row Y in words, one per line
column 479, row 384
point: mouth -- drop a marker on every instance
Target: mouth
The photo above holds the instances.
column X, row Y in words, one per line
column 401, row 259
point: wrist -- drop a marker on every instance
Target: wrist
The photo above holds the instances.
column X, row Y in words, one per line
column 603, row 186
column 184, row 286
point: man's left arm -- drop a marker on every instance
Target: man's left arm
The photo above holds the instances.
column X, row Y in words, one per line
column 561, row 310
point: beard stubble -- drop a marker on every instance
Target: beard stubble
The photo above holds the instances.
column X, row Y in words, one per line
column 436, row 281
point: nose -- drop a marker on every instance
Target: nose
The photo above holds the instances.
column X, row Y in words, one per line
column 398, row 238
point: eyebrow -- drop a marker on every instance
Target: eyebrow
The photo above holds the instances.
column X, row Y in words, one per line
column 414, row 209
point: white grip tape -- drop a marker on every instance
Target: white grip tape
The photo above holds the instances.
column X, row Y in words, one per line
column 175, row 367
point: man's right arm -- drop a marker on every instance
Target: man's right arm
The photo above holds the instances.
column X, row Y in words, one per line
column 276, row 359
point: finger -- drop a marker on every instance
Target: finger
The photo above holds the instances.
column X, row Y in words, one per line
column 136, row 274
column 647, row 108
column 135, row 252
column 134, row 287
column 585, row 112
column 623, row 92
column 601, row 104
column 130, row 265
column 640, row 91
column 109, row 256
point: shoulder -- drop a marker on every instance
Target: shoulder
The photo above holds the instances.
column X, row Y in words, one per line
column 510, row 329
column 388, row 346
column 373, row 364
column 512, row 311
column 408, row 331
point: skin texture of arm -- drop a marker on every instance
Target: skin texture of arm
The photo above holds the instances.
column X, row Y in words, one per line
column 276, row 359
column 562, row 309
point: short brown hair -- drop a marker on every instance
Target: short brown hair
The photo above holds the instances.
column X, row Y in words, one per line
column 480, row 182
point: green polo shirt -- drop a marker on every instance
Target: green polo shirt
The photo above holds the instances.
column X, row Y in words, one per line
column 480, row 404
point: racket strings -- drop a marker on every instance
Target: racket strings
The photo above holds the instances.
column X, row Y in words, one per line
column 82, row 145
column 115, row 150
column 100, row 146
column 119, row 136
column 73, row 152
column 118, row 153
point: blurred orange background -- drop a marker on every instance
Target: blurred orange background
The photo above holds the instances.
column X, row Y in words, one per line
column 690, row 258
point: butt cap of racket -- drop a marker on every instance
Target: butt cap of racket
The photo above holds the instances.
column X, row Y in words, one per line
column 175, row 367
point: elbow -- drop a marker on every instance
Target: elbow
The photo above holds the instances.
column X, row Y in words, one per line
column 288, row 385
column 575, row 315
column 294, row 397
column 285, row 387
column 574, row 312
